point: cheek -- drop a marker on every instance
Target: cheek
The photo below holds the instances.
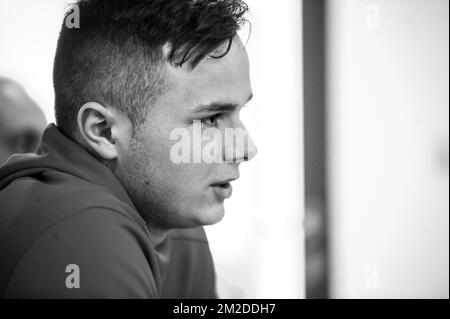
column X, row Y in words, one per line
column 182, row 180
column 187, row 183
column 182, row 177
column 188, row 178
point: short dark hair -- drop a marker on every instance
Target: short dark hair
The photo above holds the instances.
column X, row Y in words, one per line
column 115, row 56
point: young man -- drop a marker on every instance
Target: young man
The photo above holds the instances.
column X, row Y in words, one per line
column 104, row 209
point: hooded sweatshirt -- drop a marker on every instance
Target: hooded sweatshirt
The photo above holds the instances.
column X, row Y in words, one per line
column 68, row 229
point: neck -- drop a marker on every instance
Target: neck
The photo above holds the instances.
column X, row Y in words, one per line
column 157, row 234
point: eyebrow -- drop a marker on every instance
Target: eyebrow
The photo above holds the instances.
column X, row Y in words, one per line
column 219, row 106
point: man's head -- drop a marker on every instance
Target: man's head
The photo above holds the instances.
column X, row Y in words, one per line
column 134, row 72
column 21, row 121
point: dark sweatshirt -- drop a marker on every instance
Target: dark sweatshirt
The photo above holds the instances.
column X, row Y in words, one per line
column 64, row 216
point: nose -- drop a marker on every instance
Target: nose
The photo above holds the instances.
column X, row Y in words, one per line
column 239, row 146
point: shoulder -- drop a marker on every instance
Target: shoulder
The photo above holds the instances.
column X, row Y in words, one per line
column 53, row 195
column 104, row 248
column 32, row 204
column 190, row 256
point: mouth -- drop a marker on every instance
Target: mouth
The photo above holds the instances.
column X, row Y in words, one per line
column 222, row 190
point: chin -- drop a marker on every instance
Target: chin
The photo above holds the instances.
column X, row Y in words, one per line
column 211, row 215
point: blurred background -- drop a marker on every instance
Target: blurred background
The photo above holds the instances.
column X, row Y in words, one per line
column 348, row 196
column 376, row 148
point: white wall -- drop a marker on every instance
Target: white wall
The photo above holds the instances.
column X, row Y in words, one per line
column 388, row 156
column 258, row 246
column 28, row 34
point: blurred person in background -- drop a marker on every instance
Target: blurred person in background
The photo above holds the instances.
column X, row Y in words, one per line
column 21, row 121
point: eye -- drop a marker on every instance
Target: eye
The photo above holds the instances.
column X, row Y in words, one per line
column 210, row 120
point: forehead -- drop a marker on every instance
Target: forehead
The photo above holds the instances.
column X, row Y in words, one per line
column 213, row 80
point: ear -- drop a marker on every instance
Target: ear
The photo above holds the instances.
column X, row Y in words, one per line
column 94, row 123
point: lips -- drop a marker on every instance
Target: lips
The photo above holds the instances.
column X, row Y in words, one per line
column 222, row 187
column 222, row 191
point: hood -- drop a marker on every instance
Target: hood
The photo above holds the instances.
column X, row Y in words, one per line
column 60, row 153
